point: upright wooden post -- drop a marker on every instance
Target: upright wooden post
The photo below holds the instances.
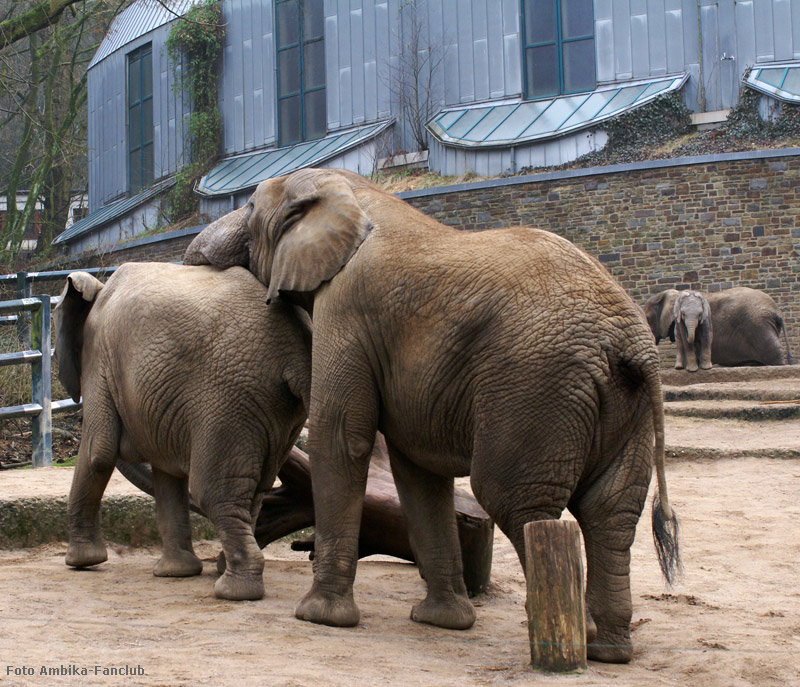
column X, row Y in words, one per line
column 555, row 604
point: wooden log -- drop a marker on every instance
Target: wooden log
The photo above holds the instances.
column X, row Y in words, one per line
column 555, row 603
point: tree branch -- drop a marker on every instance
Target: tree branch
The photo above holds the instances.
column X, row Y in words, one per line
column 44, row 14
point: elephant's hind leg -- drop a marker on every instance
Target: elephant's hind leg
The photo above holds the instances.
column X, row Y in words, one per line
column 226, row 497
column 608, row 513
column 172, row 513
column 428, row 506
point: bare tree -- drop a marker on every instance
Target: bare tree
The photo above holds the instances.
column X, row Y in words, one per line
column 411, row 77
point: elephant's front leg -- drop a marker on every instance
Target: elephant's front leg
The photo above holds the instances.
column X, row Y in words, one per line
column 340, row 444
column 680, row 346
column 704, row 350
column 427, row 501
column 172, row 514
column 86, row 546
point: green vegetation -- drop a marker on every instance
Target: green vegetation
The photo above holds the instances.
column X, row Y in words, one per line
column 194, row 46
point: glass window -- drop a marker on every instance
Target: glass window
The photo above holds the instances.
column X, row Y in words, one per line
column 300, row 41
column 558, row 47
column 140, row 118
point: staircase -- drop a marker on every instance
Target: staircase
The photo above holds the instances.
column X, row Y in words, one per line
column 733, row 412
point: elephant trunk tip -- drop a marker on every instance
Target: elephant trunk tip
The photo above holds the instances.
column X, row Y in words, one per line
column 665, row 537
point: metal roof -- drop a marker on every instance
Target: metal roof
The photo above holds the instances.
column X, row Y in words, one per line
column 140, row 18
column 493, row 125
column 111, row 212
column 247, row 171
column 781, row 81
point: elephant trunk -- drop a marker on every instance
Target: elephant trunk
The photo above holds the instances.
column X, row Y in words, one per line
column 691, row 326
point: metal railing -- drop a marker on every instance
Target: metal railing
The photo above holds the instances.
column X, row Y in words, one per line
column 38, row 335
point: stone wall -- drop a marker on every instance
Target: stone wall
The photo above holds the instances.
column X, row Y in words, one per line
column 706, row 223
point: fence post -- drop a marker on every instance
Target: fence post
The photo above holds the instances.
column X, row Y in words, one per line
column 42, row 432
column 23, row 291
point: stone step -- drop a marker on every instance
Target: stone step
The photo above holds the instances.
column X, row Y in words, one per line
column 699, row 437
column 729, row 374
column 762, row 390
column 733, row 410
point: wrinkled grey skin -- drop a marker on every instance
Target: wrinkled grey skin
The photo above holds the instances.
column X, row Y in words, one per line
column 508, row 355
column 184, row 368
column 747, row 325
column 693, row 331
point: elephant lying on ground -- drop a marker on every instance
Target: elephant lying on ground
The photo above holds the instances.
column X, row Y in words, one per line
column 508, row 355
column 187, row 369
column 693, row 331
column 747, row 325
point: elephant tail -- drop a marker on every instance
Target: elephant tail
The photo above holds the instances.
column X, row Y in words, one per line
column 782, row 326
column 75, row 303
column 664, row 520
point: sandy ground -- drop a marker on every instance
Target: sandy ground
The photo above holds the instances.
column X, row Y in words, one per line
column 734, row 619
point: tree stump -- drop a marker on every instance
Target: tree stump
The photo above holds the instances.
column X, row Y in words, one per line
column 555, row 603
column 290, row 507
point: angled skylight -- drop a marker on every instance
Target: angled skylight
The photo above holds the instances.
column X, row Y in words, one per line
column 487, row 126
column 247, row 171
column 781, row 81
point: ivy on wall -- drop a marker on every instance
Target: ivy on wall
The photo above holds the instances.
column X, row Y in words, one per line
column 194, row 46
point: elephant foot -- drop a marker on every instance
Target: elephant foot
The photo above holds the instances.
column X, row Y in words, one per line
column 608, row 650
column 178, row 563
column 453, row 612
column 328, row 609
column 706, row 366
column 239, row 587
column 692, row 368
column 85, row 554
column 679, row 366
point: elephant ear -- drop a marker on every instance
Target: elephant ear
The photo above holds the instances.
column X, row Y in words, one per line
column 323, row 226
column 76, row 300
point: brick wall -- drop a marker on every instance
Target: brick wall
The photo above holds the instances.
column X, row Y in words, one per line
column 705, row 223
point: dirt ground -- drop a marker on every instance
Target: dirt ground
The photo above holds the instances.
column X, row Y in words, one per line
column 734, row 619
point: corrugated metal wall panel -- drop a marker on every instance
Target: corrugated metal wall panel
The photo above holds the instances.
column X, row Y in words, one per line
column 782, row 20
column 623, row 60
column 247, row 91
column 657, row 38
column 357, row 61
column 765, row 45
column 745, row 34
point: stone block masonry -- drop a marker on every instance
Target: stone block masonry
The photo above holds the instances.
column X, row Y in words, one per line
column 706, row 223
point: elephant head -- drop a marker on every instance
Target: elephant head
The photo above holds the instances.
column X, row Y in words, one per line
column 659, row 313
column 295, row 232
column 73, row 307
column 690, row 308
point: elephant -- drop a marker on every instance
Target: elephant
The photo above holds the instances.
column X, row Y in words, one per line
column 507, row 355
column 747, row 325
column 186, row 369
column 693, row 330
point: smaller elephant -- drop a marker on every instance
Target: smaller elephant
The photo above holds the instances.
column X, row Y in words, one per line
column 693, row 331
column 184, row 368
column 747, row 325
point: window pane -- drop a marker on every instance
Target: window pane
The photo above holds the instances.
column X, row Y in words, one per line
column 314, row 65
column 147, row 166
column 147, row 120
column 577, row 18
column 289, row 71
column 288, row 26
column 313, row 19
column 289, row 120
column 579, row 66
column 316, row 124
column 135, row 127
column 134, row 82
column 147, row 74
column 542, row 71
column 136, row 172
column 540, row 21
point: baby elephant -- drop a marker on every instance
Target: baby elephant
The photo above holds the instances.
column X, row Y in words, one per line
column 185, row 368
column 693, row 331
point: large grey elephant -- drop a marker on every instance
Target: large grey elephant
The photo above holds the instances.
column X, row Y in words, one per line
column 694, row 331
column 747, row 325
column 186, row 369
column 507, row 355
